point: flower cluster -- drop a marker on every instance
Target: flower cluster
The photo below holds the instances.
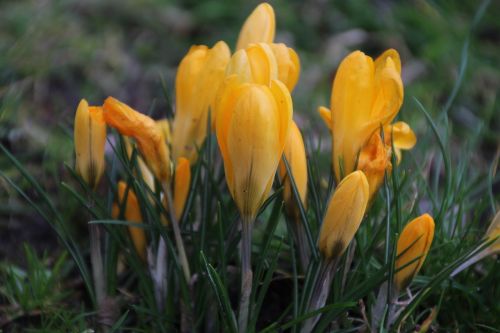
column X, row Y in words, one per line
column 245, row 98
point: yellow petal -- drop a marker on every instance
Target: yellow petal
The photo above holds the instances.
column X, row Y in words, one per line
column 413, row 243
column 402, row 135
column 132, row 213
column 352, row 99
column 296, row 156
column 146, row 174
column 165, row 129
column 288, row 65
column 90, row 139
column 254, row 64
column 344, row 215
column 148, row 135
column 381, row 60
column 258, row 27
column 181, row 185
column 198, row 79
column 326, row 115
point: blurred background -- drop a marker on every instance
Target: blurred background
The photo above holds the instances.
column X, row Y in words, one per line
column 55, row 52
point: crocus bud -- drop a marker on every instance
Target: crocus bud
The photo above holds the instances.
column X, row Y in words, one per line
column 295, row 154
column 259, row 27
column 198, row 79
column 144, row 130
column 413, row 245
column 374, row 160
column 252, row 127
column 288, row 64
column 254, row 64
column 182, row 184
column 401, row 136
column 365, row 96
column 132, row 213
column 90, row 138
column 344, row 215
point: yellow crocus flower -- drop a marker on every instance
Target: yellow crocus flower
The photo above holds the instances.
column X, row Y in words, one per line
column 132, row 213
column 288, row 64
column 90, row 139
column 252, row 127
column 147, row 134
column 295, row 154
column 366, row 95
column 413, row 243
column 259, row 27
column 182, row 184
column 198, row 79
column 344, row 215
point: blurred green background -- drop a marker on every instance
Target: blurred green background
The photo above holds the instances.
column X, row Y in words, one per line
column 55, row 52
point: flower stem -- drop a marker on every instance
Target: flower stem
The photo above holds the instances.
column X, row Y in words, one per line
column 177, row 233
column 246, row 272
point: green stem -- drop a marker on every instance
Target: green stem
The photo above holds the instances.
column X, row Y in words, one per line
column 246, row 273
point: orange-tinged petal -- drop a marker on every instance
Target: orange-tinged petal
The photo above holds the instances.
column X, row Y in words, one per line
column 198, row 79
column 259, row 27
column 254, row 64
column 413, row 245
column 182, row 184
column 143, row 129
column 296, row 156
column 344, row 215
column 381, row 60
column 374, row 160
column 132, row 213
column 90, row 139
column 164, row 125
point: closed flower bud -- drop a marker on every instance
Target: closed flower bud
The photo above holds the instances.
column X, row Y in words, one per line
column 259, row 27
column 374, row 160
column 132, row 213
column 198, row 79
column 145, row 131
column 413, row 245
column 90, row 139
column 344, row 215
column 254, row 64
column 182, row 184
column 288, row 65
column 252, row 127
column 366, row 94
column 295, row 154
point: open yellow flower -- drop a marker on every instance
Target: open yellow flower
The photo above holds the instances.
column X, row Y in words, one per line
column 252, row 127
column 366, row 95
column 259, row 27
column 413, row 245
column 198, row 79
column 132, row 213
column 90, row 139
column 344, row 215
column 147, row 134
column 295, row 154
